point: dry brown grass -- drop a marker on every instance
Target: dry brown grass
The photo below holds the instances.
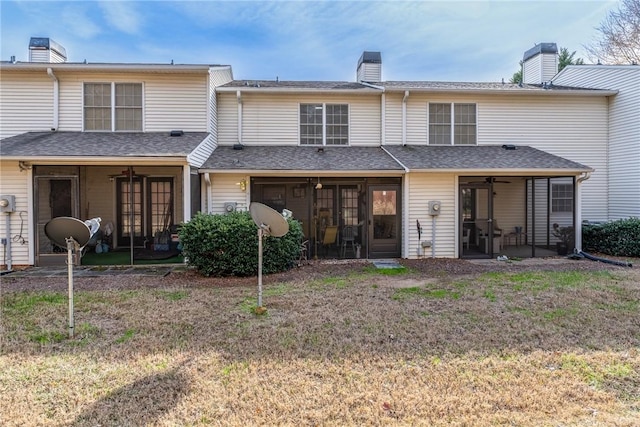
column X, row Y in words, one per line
column 354, row 348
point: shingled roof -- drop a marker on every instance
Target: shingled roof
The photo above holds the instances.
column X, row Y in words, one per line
column 481, row 157
column 298, row 158
column 100, row 144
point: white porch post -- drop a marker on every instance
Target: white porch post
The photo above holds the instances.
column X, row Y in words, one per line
column 186, row 193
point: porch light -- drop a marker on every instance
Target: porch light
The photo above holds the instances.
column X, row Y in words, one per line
column 319, row 185
column 242, row 184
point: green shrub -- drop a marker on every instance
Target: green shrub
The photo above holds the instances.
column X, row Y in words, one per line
column 618, row 238
column 227, row 245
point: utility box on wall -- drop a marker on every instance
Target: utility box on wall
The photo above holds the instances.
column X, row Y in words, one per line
column 7, row 203
column 230, row 207
column 434, row 207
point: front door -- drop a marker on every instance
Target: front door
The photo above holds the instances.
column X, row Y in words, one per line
column 146, row 212
column 55, row 196
column 129, row 210
column 384, row 221
column 476, row 225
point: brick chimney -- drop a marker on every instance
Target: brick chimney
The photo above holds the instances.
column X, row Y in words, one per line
column 43, row 49
column 540, row 63
column 370, row 67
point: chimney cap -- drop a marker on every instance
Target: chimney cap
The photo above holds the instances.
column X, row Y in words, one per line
column 370, row 58
column 540, row 48
column 46, row 43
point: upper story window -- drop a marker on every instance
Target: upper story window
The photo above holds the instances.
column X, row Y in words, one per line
column 457, row 128
column 561, row 198
column 113, row 107
column 324, row 124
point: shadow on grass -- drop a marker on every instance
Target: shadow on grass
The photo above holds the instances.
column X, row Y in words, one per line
column 142, row 402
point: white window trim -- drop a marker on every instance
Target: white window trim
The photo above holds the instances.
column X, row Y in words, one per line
column 113, row 105
column 452, row 122
column 552, row 198
column 324, row 124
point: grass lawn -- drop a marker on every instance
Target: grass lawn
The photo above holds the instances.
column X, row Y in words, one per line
column 360, row 348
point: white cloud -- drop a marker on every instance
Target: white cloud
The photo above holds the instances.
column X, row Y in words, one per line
column 77, row 21
column 122, row 15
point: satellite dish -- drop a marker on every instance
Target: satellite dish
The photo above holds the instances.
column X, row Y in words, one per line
column 270, row 223
column 73, row 234
column 59, row 229
column 268, row 220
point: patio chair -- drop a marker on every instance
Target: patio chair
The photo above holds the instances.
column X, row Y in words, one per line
column 329, row 237
column 466, row 237
column 348, row 237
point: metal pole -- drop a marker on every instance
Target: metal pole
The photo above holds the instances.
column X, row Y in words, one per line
column 433, row 236
column 7, row 246
column 260, row 266
column 132, row 227
column 70, row 247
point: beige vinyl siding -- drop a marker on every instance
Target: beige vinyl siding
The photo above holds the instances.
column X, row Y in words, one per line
column 571, row 127
column 393, row 118
column 424, row 187
column 202, row 152
column 170, row 101
column 541, row 68
column 549, row 67
column 224, row 189
column 15, row 182
column 273, row 119
column 26, row 102
column 567, row 126
column 217, row 77
column 624, row 130
column 176, row 102
column 227, row 118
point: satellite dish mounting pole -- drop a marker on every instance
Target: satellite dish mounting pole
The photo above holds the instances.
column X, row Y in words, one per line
column 71, row 245
column 260, row 234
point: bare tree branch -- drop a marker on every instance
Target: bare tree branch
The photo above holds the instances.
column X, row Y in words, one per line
column 619, row 41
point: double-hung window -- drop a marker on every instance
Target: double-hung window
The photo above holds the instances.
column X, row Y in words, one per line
column 561, row 198
column 324, row 124
column 113, row 107
column 452, row 124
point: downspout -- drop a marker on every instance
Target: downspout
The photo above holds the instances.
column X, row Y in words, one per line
column 239, row 96
column 56, row 97
column 207, row 182
column 405, row 205
column 577, row 217
column 404, row 117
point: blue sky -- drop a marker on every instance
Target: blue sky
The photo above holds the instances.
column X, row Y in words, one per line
column 308, row 40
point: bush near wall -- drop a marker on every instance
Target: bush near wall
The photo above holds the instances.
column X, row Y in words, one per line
column 618, row 238
column 227, row 245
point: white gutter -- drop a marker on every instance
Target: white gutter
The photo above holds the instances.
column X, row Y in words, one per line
column 239, row 96
column 86, row 160
column 510, row 173
column 56, row 99
column 306, row 173
column 404, row 117
column 207, row 181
